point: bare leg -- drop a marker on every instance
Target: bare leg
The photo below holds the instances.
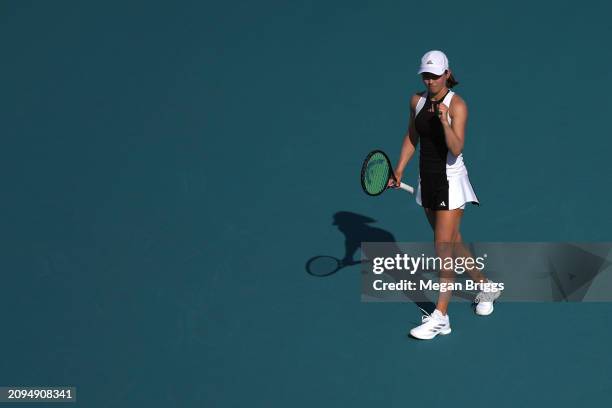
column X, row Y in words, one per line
column 460, row 250
column 446, row 232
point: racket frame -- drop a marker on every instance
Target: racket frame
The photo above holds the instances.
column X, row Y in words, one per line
column 364, row 168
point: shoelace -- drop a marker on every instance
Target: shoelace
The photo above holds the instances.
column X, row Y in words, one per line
column 426, row 316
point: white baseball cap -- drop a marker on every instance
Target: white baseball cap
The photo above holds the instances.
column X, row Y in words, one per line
column 435, row 62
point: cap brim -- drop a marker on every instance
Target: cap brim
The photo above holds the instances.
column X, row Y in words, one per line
column 432, row 69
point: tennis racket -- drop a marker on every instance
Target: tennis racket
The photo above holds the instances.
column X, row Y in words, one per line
column 376, row 173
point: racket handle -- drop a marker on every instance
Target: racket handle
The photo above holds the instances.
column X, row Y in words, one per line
column 406, row 187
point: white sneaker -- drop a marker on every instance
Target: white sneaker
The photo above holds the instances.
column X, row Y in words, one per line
column 485, row 299
column 432, row 325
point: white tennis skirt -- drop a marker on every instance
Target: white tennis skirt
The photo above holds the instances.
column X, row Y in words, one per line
column 441, row 191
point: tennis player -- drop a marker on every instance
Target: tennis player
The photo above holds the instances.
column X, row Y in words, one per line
column 437, row 119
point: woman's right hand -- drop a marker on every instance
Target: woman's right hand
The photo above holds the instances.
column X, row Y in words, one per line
column 396, row 183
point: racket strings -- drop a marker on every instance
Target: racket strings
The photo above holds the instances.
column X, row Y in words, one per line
column 377, row 173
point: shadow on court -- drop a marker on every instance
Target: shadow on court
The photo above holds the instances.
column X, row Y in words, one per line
column 356, row 229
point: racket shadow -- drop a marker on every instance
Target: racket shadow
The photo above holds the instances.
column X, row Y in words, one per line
column 325, row 265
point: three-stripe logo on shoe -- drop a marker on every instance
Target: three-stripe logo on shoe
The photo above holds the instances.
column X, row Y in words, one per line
column 442, row 204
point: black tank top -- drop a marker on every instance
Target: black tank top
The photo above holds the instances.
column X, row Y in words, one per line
column 433, row 151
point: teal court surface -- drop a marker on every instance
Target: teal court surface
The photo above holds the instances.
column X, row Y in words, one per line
column 168, row 168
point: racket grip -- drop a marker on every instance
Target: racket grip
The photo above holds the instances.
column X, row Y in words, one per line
column 406, row 187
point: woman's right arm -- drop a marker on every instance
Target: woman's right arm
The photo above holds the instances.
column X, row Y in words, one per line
column 411, row 139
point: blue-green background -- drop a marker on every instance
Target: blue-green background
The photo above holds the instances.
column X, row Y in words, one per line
column 169, row 167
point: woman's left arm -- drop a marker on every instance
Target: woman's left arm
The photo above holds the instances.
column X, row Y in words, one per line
column 454, row 133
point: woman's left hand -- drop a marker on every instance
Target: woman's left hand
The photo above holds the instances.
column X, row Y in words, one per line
column 443, row 113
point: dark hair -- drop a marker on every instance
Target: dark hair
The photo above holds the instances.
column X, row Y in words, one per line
column 451, row 81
